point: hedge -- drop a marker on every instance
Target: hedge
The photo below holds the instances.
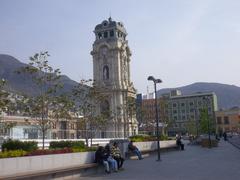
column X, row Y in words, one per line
column 16, row 153
column 12, row 145
column 66, row 144
column 143, row 138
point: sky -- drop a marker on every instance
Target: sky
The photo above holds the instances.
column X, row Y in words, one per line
column 178, row 41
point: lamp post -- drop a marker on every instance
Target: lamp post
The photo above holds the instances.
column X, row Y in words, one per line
column 208, row 121
column 155, row 81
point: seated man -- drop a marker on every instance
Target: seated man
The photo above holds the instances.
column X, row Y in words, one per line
column 134, row 149
column 116, row 154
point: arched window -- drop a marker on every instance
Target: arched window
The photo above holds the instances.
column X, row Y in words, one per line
column 105, row 72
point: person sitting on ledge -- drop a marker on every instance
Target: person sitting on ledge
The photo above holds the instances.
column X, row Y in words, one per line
column 101, row 158
column 135, row 150
column 116, row 154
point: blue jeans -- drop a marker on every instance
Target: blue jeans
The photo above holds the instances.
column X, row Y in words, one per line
column 138, row 153
column 106, row 165
column 113, row 163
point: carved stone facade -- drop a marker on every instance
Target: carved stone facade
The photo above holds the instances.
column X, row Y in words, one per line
column 111, row 73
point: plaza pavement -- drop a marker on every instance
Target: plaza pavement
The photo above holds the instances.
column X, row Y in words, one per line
column 194, row 163
column 235, row 140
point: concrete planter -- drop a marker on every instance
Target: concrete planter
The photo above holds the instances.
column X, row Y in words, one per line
column 148, row 145
column 205, row 143
column 10, row 166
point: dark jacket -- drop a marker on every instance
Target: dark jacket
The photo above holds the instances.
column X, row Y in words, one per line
column 131, row 147
column 100, row 156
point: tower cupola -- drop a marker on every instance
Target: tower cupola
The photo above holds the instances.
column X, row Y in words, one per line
column 110, row 29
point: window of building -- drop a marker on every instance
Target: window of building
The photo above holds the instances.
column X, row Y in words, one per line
column 182, row 104
column 175, row 118
column 72, row 126
column 105, row 34
column 191, row 103
column 191, row 110
column 226, row 120
column 175, row 111
column 72, row 136
column 183, row 111
column 111, row 33
column 174, row 105
column 54, row 135
column 219, row 120
column 183, row 117
column 99, row 35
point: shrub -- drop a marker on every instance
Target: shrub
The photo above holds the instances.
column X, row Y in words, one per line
column 16, row 153
column 49, row 151
column 143, row 138
column 85, row 149
column 163, row 137
column 19, row 145
column 66, row 144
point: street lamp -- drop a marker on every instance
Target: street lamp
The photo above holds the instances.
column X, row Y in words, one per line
column 155, row 81
column 206, row 99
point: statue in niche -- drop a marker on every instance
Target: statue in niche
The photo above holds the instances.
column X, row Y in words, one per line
column 105, row 72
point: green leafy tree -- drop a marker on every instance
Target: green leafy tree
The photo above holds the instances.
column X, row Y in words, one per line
column 163, row 115
column 4, row 102
column 47, row 80
column 206, row 123
column 191, row 127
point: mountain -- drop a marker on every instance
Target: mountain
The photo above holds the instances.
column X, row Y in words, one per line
column 228, row 96
column 22, row 83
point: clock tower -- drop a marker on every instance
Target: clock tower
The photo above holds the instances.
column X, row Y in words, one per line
column 111, row 74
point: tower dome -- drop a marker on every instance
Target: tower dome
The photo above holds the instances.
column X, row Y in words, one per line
column 110, row 29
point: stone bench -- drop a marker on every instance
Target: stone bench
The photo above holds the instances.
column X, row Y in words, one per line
column 55, row 173
column 131, row 155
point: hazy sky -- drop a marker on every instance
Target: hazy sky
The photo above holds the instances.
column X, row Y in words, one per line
column 179, row 41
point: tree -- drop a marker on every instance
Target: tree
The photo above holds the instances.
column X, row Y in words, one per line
column 206, row 124
column 4, row 102
column 48, row 83
column 163, row 116
column 131, row 110
column 191, row 127
column 87, row 98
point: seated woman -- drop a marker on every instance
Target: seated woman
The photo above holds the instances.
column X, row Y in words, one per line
column 101, row 158
column 110, row 159
column 135, row 150
column 116, row 154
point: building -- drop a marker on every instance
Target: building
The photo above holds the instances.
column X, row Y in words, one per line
column 22, row 127
column 111, row 73
column 185, row 110
column 178, row 112
column 228, row 120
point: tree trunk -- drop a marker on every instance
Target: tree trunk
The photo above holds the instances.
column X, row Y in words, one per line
column 43, row 139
